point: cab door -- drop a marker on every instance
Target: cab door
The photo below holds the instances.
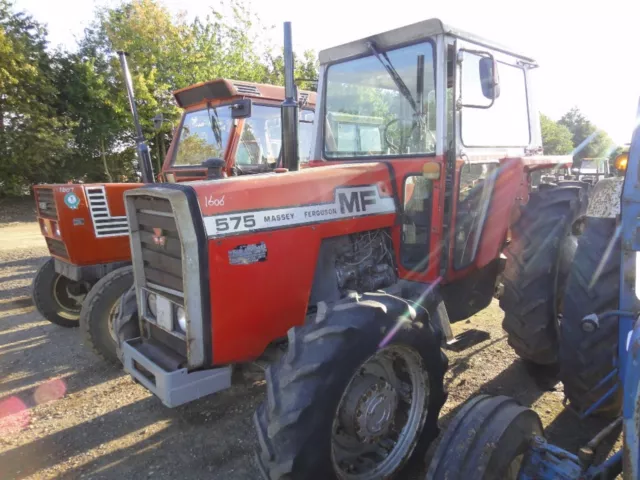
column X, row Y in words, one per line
column 484, row 199
column 484, row 202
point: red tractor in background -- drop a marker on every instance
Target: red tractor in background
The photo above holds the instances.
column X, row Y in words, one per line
column 228, row 128
column 345, row 278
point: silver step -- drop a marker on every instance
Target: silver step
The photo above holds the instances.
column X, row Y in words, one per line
column 175, row 387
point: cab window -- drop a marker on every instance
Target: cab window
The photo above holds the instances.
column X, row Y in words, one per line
column 203, row 134
column 475, row 185
column 416, row 223
column 261, row 137
column 372, row 112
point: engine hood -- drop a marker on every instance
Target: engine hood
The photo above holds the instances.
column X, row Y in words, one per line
column 276, row 200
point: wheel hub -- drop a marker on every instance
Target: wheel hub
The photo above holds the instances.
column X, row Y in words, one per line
column 69, row 296
column 368, row 410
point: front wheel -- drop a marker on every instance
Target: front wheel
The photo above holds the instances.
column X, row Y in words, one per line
column 58, row 298
column 357, row 394
column 100, row 310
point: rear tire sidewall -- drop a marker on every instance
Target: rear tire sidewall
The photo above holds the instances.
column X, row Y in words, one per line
column 97, row 309
column 43, row 296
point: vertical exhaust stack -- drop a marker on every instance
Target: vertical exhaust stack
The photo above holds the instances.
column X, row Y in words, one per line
column 143, row 150
column 290, row 158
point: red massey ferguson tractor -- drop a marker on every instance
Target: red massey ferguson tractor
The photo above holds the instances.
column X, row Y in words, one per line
column 346, row 278
column 228, row 128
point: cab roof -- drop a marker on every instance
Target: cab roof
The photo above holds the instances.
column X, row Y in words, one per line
column 225, row 88
column 409, row 34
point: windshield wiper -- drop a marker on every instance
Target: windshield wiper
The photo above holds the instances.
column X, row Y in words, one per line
column 402, row 87
column 215, row 125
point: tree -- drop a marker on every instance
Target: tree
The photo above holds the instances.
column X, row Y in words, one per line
column 65, row 115
column 588, row 140
column 33, row 139
column 168, row 53
column 556, row 138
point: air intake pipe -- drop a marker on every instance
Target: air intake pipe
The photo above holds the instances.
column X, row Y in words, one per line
column 289, row 111
column 144, row 156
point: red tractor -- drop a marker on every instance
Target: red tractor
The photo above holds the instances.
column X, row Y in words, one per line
column 228, row 128
column 346, row 278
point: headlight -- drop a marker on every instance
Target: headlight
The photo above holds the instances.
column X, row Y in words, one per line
column 151, row 304
column 56, row 229
column 182, row 319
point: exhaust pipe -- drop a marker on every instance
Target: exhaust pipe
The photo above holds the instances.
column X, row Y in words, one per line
column 289, row 110
column 144, row 156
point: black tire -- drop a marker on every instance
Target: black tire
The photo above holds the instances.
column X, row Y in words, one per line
column 484, row 441
column 587, row 357
column 541, row 237
column 305, row 387
column 48, row 289
column 100, row 304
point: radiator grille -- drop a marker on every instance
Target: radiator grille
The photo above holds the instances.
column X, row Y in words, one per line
column 160, row 244
column 57, row 248
column 247, row 89
column 104, row 224
column 46, row 203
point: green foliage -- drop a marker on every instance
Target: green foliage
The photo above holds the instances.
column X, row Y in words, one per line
column 556, row 138
column 597, row 142
column 64, row 116
column 33, row 139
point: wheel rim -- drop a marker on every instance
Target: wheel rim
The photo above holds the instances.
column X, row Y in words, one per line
column 380, row 415
column 113, row 314
column 68, row 296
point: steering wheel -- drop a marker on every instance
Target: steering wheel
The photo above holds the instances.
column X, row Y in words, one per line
column 400, row 148
column 385, row 134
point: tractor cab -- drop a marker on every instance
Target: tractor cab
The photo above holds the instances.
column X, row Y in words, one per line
column 447, row 109
column 237, row 123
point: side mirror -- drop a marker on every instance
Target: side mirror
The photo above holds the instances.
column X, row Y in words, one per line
column 479, row 86
column 241, row 108
column 489, row 80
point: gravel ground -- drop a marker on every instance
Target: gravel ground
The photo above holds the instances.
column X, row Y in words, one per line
column 65, row 414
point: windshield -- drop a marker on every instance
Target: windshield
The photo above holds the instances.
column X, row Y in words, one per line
column 506, row 122
column 262, row 136
column 204, row 134
column 369, row 112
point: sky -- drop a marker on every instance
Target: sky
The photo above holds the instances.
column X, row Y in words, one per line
column 585, row 52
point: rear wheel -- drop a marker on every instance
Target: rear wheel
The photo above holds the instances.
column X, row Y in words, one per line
column 487, row 440
column 58, row 298
column 345, row 401
column 593, row 287
column 537, row 260
column 100, row 310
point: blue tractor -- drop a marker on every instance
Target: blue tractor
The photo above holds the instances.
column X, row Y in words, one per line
column 493, row 437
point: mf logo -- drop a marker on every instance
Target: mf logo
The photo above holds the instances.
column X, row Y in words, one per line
column 356, row 201
column 158, row 237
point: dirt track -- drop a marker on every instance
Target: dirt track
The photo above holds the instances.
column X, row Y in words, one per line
column 75, row 417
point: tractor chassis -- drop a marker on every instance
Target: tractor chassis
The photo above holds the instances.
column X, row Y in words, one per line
column 86, row 273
